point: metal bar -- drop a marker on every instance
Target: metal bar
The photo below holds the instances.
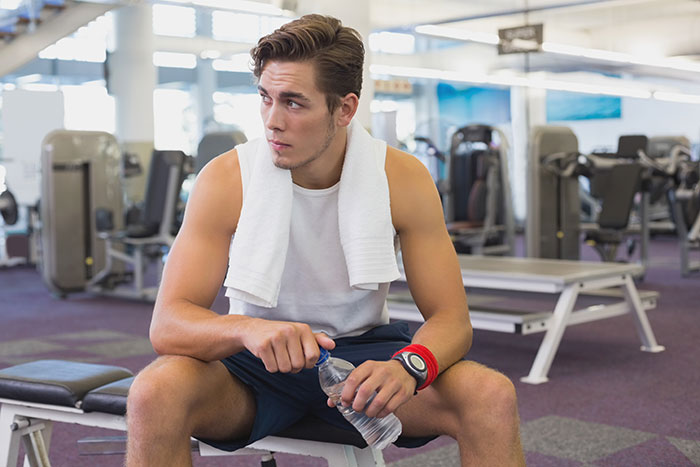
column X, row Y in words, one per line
column 9, row 439
column 640, row 318
column 63, row 414
column 38, row 449
column 644, row 254
column 550, row 343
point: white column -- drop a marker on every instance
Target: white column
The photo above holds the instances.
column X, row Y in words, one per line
column 206, row 78
column 527, row 110
column 132, row 75
column 354, row 14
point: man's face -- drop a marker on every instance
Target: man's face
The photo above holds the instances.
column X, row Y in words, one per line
column 298, row 125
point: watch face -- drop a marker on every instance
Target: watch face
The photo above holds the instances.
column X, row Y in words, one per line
column 416, row 362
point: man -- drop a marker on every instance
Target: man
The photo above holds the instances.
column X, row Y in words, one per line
column 231, row 379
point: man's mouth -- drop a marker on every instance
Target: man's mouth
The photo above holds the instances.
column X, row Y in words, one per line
column 278, row 145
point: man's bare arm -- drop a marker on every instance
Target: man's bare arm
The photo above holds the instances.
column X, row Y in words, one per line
column 429, row 259
column 182, row 322
column 435, row 282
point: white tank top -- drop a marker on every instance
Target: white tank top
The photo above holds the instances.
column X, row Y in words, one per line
column 315, row 287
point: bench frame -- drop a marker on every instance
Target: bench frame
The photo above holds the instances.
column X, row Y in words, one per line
column 32, row 423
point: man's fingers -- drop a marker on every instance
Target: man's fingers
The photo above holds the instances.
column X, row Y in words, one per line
column 279, row 347
column 376, row 388
column 388, row 399
column 324, row 341
column 392, row 405
column 267, row 355
column 353, row 383
column 311, row 352
column 296, row 356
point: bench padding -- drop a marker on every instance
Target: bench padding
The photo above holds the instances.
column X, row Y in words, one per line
column 56, row 382
column 110, row 398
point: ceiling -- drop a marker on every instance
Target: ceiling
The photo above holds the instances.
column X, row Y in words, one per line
column 643, row 28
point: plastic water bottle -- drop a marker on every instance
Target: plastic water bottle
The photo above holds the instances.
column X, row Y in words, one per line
column 377, row 432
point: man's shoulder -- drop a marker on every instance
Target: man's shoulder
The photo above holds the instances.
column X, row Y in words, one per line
column 404, row 167
column 223, row 166
column 411, row 189
column 221, row 178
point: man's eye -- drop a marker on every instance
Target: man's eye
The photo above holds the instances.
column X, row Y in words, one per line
column 265, row 98
column 294, row 105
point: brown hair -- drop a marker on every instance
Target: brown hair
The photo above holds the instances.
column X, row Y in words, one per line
column 336, row 51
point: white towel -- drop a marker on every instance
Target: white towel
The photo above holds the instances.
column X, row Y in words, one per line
column 259, row 247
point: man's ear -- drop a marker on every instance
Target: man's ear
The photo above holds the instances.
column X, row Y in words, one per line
column 347, row 109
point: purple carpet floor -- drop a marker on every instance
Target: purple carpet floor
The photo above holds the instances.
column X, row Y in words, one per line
column 606, row 404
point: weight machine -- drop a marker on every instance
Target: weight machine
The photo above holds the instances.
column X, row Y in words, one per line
column 474, row 187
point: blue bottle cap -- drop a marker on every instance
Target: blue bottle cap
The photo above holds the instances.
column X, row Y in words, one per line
column 324, row 356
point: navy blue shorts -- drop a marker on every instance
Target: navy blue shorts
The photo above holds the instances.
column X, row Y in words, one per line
column 282, row 399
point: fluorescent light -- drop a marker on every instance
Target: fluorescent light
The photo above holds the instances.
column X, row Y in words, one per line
column 237, row 5
column 392, row 43
column 10, row 4
column 40, row 87
column 26, row 79
column 406, row 71
column 174, row 60
column 576, row 51
column 677, row 97
column 209, row 54
column 457, row 33
column 590, row 88
column 673, row 63
column 238, row 63
column 563, row 49
column 612, row 89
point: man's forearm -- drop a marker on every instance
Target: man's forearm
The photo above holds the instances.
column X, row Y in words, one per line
column 188, row 329
column 447, row 335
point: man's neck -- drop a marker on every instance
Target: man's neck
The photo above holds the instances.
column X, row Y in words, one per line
column 325, row 171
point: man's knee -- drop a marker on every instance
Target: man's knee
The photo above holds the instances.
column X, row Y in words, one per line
column 159, row 389
column 499, row 395
column 483, row 393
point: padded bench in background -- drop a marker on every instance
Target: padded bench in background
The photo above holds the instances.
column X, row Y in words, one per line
column 36, row 394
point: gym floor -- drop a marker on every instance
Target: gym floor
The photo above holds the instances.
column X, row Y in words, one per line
column 606, row 404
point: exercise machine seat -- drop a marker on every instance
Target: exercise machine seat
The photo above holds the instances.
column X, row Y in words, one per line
column 39, row 393
column 163, row 166
column 624, row 181
column 104, row 388
column 110, row 398
column 56, row 382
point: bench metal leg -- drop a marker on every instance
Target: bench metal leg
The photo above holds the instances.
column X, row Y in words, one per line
column 36, row 444
column 640, row 317
column 34, row 434
column 552, row 338
column 337, row 455
column 9, row 439
column 369, row 457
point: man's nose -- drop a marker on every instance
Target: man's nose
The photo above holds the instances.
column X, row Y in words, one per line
column 274, row 120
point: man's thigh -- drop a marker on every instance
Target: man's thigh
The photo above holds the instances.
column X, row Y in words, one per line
column 436, row 410
column 215, row 404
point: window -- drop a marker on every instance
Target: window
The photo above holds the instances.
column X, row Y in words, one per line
column 241, row 110
column 175, row 120
column 170, row 20
column 87, row 44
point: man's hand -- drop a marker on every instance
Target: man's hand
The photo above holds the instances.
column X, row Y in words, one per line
column 284, row 346
column 389, row 380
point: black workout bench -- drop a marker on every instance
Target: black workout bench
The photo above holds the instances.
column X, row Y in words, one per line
column 36, row 394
